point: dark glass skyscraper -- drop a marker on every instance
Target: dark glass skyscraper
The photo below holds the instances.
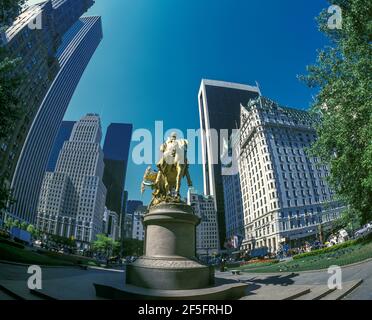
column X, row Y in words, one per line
column 132, row 205
column 78, row 46
column 219, row 108
column 116, row 153
column 64, row 134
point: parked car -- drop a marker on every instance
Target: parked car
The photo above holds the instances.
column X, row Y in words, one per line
column 365, row 230
column 38, row 243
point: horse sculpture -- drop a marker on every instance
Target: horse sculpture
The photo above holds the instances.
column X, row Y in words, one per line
column 172, row 168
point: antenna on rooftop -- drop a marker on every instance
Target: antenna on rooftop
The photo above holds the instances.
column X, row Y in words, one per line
column 259, row 89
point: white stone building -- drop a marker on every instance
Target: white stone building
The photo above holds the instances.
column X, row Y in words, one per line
column 285, row 196
column 72, row 199
column 111, row 225
column 234, row 218
column 207, row 241
column 138, row 231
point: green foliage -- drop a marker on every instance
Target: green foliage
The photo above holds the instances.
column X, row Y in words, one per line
column 16, row 224
column 105, row 245
column 67, row 242
column 349, row 220
column 9, row 83
column 343, row 75
column 8, row 223
column 334, row 248
column 9, row 9
column 5, row 197
column 133, row 247
column 326, row 250
column 31, row 229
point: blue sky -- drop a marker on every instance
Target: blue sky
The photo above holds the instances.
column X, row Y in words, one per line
column 155, row 53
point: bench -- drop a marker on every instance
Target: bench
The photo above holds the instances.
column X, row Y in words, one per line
column 235, row 272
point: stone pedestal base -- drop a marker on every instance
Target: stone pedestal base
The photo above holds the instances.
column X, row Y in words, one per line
column 169, row 274
column 169, row 262
column 223, row 292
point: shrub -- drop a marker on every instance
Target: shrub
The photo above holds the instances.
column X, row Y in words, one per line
column 326, row 250
column 344, row 245
column 12, row 243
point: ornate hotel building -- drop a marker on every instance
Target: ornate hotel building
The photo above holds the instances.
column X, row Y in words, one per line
column 284, row 191
column 72, row 198
column 232, row 192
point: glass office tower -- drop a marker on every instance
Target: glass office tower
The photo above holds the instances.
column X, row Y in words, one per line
column 74, row 54
column 35, row 36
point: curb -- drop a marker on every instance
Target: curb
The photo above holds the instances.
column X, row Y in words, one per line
column 11, row 293
column 32, row 264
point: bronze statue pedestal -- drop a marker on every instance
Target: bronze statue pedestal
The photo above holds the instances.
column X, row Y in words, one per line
column 170, row 261
column 169, row 269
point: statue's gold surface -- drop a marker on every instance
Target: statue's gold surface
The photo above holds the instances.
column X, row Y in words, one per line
column 172, row 168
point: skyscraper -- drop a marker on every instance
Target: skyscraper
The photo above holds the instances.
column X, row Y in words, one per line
column 63, row 135
column 284, row 191
column 116, row 153
column 132, row 205
column 219, row 108
column 74, row 54
column 37, row 46
column 72, row 198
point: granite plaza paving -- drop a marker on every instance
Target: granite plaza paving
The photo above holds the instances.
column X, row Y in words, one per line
column 69, row 283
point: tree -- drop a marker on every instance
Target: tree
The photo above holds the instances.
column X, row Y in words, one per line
column 62, row 241
column 9, row 82
column 24, row 225
column 16, row 224
column 9, row 9
column 132, row 247
column 31, row 229
column 105, row 245
column 8, row 223
column 343, row 76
